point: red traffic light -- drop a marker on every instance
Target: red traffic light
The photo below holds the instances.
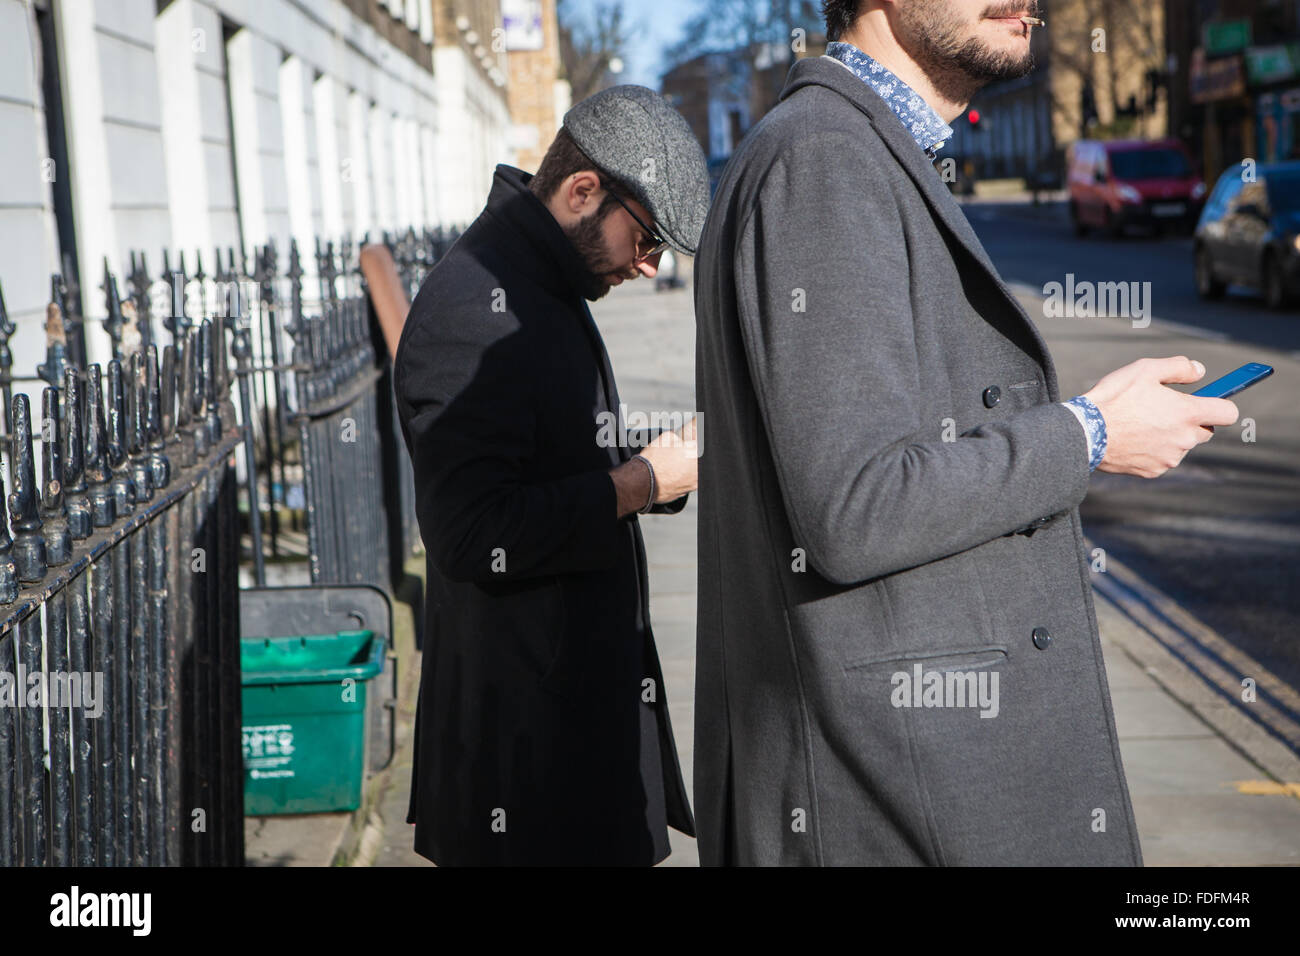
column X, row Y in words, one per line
column 974, row 117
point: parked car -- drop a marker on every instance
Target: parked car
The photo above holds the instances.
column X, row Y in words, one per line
column 1132, row 182
column 1249, row 233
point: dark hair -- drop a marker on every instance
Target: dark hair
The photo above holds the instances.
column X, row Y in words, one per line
column 839, row 16
column 561, row 161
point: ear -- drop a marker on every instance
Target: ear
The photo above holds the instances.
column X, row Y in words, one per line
column 579, row 192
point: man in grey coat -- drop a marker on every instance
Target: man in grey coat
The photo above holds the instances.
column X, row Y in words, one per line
column 898, row 658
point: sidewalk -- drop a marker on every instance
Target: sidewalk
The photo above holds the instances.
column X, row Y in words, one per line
column 1196, row 768
column 357, row 838
column 1207, row 783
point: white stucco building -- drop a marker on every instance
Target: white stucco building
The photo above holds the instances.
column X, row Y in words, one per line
column 197, row 124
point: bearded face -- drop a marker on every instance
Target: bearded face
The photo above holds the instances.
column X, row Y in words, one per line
column 589, row 237
column 964, row 44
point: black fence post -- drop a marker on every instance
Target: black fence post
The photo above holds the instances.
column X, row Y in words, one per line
column 10, row 809
column 58, row 551
column 30, row 563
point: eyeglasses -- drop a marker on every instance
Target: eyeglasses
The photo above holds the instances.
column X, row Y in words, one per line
column 657, row 244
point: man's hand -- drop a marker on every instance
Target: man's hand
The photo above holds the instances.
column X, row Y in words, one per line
column 1149, row 428
column 675, row 465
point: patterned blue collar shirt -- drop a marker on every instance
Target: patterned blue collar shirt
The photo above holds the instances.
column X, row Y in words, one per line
column 926, row 126
column 931, row 132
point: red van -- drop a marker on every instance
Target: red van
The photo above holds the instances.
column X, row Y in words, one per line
column 1132, row 182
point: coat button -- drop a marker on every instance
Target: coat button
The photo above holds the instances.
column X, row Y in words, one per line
column 1042, row 638
column 992, row 395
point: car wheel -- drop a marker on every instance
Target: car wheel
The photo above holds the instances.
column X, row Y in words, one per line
column 1274, row 284
column 1207, row 286
column 1080, row 228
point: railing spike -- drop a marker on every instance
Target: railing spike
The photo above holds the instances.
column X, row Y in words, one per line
column 122, row 487
column 74, row 452
column 54, row 513
column 25, row 499
column 102, row 507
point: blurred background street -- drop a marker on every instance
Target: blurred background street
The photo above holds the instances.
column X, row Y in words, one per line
column 1221, row 534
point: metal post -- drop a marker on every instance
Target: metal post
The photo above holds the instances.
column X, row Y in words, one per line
column 243, row 369
column 30, row 565
column 58, row 550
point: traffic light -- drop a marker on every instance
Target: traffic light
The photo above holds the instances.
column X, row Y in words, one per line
column 973, row 117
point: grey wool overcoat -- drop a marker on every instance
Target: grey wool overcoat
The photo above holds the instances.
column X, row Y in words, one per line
column 884, row 442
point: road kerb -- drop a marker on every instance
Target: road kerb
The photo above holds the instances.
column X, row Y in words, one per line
column 1198, row 668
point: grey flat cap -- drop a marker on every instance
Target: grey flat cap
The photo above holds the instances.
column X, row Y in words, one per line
column 635, row 136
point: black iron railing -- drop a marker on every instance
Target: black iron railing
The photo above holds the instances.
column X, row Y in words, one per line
column 119, row 666
column 325, row 418
column 119, row 567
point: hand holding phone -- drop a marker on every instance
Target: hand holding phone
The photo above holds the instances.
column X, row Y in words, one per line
column 1149, row 426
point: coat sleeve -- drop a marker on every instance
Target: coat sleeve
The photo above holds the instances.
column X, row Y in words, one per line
column 838, row 382
column 468, row 408
column 669, row 507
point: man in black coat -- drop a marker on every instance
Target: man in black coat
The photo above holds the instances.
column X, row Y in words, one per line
column 542, row 732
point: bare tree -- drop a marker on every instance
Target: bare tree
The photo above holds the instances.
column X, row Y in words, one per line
column 759, row 34
column 1088, row 40
column 589, row 46
column 720, row 25
column 727, row 25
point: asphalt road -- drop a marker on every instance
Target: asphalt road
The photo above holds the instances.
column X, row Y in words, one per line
column 1221, row 533
column 1036, row 246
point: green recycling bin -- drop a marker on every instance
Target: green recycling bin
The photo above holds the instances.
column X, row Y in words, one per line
column 304, row 723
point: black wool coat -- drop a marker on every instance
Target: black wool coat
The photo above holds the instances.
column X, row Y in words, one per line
column 542, row 732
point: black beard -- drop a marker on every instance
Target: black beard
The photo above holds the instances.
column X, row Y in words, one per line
column 588, row 240
column 957, row 66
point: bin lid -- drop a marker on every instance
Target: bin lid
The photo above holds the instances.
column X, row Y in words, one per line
column 311, row 658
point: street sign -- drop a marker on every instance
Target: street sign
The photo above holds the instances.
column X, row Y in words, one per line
column 523, row 24
column 1269, row 64
column 1226, row 36
column 1219, row 79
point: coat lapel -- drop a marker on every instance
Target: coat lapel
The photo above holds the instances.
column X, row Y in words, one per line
column 821, row 71
column 550, row 259
column 677, row 803
column 610, row 389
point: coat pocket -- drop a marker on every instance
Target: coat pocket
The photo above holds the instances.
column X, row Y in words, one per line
column 947, row 659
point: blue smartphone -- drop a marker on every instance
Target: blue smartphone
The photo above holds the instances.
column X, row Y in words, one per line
column 1236, row 381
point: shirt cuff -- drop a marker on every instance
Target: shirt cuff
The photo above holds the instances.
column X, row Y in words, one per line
column 1094, row 427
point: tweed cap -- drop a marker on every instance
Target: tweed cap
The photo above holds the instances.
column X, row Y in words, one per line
column 632, row 134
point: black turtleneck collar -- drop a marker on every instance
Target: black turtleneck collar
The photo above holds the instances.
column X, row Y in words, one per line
column 549, row 258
